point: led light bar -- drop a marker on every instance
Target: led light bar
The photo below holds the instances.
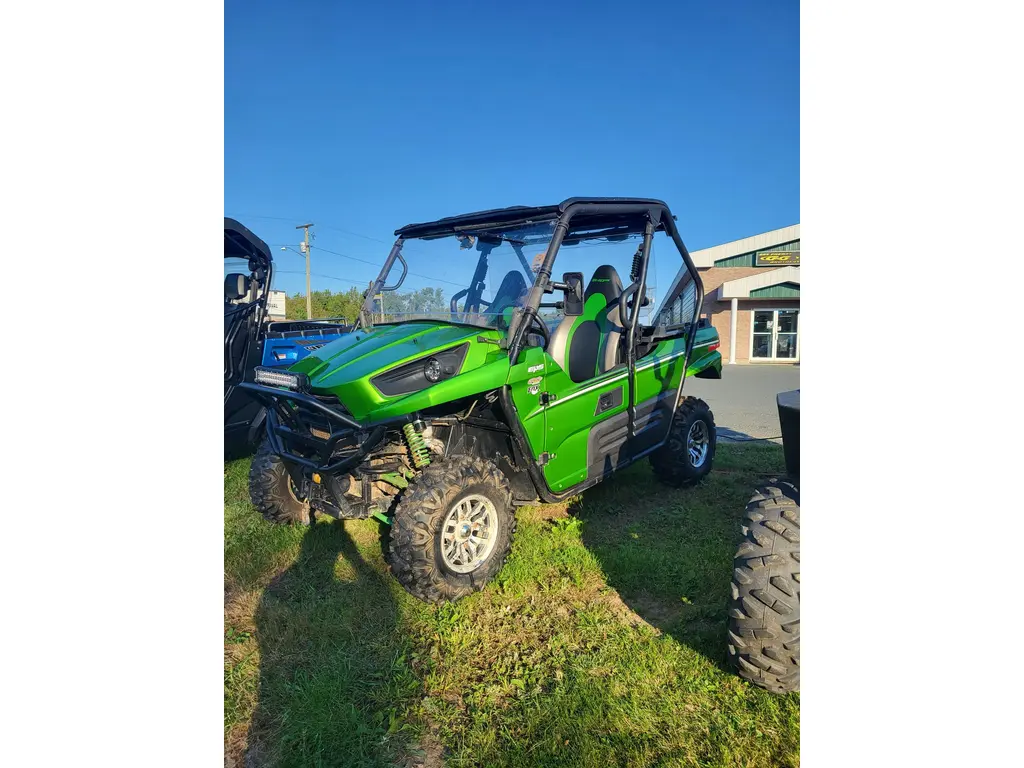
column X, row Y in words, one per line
column 270, row 377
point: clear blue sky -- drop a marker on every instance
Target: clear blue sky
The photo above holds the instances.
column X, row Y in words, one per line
column 368, row 116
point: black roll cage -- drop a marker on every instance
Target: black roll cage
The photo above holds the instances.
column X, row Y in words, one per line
column 240, row 242
column 598, row 217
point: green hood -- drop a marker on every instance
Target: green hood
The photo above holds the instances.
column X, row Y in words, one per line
column 345, row 366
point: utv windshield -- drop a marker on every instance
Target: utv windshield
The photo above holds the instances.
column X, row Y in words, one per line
column 476, row 278
column 479, row 277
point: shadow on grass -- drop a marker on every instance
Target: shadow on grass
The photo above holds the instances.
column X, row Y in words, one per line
column 728, row 435
column 544, row 667
column 333, row 672
column 669, row 552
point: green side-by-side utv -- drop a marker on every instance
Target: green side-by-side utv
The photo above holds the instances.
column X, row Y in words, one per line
column 490, row 392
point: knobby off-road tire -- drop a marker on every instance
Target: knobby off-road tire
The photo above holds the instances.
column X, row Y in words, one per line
column 764, row 613
column 415, row 553
column 270, row 490
column 673, row 462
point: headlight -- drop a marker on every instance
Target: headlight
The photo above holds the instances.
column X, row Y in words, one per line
column 421, row 373
column 270, row 377
column 432, row 370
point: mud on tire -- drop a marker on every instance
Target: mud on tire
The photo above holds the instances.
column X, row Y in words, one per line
column 764, row 612
column 673, row 463
column 415, row 547
column 270, row 489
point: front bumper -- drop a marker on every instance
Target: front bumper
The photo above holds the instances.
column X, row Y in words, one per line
column 315, row 435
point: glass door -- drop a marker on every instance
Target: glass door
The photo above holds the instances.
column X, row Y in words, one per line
column 774, row 334
column 785, row 333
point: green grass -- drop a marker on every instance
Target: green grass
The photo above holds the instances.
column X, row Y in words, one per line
column 602, row 641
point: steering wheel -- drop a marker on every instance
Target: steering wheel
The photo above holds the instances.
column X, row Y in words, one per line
column 542, row 327
column 623, row 298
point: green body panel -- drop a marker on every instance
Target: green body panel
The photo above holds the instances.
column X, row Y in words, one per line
column 491, row 374
column 705, row 354
column 571, row 415
column 345, row 366
column 561, row 428
column 534, row 365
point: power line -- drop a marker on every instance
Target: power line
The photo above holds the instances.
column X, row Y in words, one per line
column 346, row 256
column 322, row 226
column 272, row 218
column 405, row 249
column 317, row 274
column 335, row 253
column 336, row 229
column 378, row 266
column 415, row 274
column 356, row 234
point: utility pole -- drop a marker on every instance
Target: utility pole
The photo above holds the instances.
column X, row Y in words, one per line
column 305, row 249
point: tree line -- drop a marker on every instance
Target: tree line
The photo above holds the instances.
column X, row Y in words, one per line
column 348, row 303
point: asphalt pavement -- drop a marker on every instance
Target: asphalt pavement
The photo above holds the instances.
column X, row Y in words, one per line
column 743, row 400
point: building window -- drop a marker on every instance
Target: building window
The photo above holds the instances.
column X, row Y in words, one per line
column 681, row 309
column 774, row 334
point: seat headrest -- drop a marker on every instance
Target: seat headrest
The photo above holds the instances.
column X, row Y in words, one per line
column 606, row 282
column 236, row 286
column 512, row 287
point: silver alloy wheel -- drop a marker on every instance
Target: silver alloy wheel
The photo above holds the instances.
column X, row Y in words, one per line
column 469, row 533
column 697, row 443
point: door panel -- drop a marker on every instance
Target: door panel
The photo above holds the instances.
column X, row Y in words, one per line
column 570, row 416
column 609, row 446
column 586, row 432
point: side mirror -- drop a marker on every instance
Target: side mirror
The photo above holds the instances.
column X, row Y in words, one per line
column 573, row 293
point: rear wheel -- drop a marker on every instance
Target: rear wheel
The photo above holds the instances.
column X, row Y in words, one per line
column 687, row 455
column 452, row 529
column 272, row 491
column 764, row 613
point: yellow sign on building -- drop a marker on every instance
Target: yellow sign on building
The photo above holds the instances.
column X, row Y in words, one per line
column 789, row 258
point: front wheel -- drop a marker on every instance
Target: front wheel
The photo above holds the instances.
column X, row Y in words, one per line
column 272, row 492
column 452, row 529
column 687, row 455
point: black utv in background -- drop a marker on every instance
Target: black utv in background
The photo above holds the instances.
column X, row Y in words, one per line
column 246, row 293
column 250, row 339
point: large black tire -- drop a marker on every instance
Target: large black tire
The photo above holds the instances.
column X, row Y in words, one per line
column 764, row 613
column 672, row 462
column 270, row 490
column 415, row 549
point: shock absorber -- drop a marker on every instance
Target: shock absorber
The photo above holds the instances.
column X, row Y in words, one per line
column 634, row 273
column 417, row 446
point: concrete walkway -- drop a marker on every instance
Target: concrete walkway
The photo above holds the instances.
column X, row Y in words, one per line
column 743, row 400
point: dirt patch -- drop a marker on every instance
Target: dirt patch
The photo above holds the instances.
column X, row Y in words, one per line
column 234, row 748
column 543, row 512
column 428, row 753
column 240, row 608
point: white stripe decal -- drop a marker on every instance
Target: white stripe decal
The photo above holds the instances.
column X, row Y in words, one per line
column 622, row 376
